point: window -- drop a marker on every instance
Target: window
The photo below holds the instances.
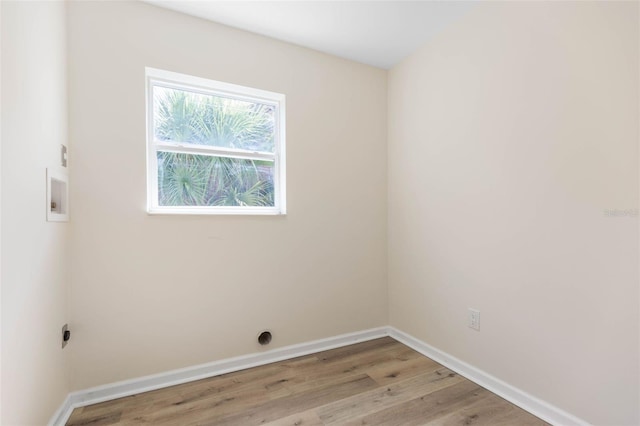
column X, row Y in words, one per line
column 213, row 147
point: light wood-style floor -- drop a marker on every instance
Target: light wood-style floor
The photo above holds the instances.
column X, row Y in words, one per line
column 380, row 382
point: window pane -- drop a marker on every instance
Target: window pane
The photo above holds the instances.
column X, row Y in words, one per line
column 202, row 180
column 183, row 116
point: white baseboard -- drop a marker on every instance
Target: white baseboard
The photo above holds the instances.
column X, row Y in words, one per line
column 203, row 371
column 530, row 403
column 62, row 414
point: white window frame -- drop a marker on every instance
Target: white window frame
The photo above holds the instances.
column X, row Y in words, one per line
column 156, row 77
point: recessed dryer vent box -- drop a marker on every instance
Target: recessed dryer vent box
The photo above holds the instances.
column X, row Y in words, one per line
column 57, row 196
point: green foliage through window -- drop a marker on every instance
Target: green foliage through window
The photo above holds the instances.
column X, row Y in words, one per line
column 189, row 179
column 183, row 116
column 203, row 180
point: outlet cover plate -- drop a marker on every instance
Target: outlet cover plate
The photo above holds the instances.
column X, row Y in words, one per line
column 474, row 319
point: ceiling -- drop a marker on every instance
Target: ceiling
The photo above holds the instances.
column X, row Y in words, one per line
column 378, row 33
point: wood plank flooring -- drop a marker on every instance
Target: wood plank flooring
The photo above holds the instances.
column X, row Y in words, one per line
column 379, row 382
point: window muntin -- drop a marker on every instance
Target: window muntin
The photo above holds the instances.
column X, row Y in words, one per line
column 213, row 147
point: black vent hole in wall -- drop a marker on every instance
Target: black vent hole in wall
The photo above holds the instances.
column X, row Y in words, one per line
column 264, row 338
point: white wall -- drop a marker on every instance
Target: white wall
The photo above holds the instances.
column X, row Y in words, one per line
column 153, row 293
column 511, row 135
column 34, row 252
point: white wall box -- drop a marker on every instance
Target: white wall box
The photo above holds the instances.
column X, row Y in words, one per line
column 57, row 196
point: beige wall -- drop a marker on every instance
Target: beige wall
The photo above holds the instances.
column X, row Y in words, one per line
column 34, row 252
column 511, row 135
column 153, row 293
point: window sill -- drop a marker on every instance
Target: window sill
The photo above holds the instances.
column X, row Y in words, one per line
column 218, row 211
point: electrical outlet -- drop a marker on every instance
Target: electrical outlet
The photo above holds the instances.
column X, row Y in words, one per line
column 474, row 319
column 66, row 335
column 63, row 155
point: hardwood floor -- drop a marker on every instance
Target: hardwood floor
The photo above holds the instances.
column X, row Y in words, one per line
column 380, row 382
